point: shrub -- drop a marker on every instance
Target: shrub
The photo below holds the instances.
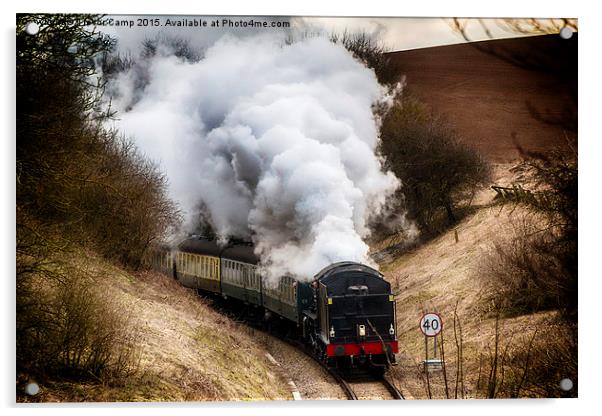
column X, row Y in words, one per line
column 72, row 171
column 535, row 267
column 523, row 273
column 124, row 204
column 531, row 364
column 69, row 325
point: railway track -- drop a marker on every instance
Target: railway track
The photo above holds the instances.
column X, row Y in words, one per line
column 394, row 391
column 371, row 388
column 345, row 386
column 357, row 387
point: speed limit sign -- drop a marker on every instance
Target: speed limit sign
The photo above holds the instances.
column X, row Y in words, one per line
column 431, row 324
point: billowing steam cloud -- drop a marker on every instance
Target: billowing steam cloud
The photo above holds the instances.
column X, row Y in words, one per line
column 276, row 142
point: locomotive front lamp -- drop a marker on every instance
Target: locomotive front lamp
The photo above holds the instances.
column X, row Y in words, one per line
column 332, row 332
column 391, row 330
column 362, row 330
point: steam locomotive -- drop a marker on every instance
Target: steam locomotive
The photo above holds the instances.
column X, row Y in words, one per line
column 346, row 313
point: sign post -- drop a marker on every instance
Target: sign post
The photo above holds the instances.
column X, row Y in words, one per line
column 431, row 325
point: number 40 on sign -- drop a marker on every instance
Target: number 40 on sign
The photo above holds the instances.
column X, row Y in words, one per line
column 430, row 324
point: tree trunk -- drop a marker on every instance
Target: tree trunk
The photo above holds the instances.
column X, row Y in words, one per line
column 450, row 213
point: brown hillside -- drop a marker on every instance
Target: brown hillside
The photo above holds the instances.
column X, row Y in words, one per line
column 487, row 98
column 444, row 275
column 186, row 351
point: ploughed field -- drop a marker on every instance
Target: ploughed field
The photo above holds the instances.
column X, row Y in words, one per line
column 488, row 99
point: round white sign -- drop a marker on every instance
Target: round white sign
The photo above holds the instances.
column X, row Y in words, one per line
column 431, row 324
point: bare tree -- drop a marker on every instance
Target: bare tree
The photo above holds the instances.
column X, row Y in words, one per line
column 438, row 171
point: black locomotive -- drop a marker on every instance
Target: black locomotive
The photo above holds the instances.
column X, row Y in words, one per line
column 346, row 312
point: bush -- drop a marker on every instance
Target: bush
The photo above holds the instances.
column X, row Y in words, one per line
column 531, row 364
column 70, row 169
column 555, row 173
column 524, row 273
column 437, row 170
column 535, row 267
column 69, row 325
column 124, row 204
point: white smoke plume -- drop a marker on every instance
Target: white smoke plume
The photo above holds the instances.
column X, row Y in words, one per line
column 275, row 141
